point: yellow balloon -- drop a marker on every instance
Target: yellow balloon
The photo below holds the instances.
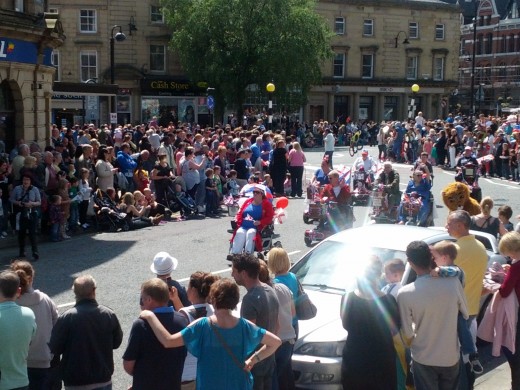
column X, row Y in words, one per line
column 415, row 88
column 270, row 87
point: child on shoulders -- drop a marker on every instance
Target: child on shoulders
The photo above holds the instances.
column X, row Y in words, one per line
column 394, row 270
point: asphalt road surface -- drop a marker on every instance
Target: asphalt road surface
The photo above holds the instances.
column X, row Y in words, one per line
column 120, row 261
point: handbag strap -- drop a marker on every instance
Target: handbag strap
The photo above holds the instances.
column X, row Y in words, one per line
column 225, row 345
column 300, row 289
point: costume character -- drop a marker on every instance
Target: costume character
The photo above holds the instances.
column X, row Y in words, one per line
column 456, row 196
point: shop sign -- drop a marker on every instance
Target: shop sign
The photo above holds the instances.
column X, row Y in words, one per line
column 168, row 87
column 386, row 89
column 15, row 50
column 67, row 97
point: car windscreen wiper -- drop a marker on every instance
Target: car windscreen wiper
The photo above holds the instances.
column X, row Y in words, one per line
column 322, row 286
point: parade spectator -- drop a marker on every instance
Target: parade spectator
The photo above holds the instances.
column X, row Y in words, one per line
column 429, row 327
column 46, row 314
column 278, row 167
column 137, row 218
column 296, row 159
column 485, row 222
column 18, row 161
column 126, row 165
column 260, row 306
column 371, row 318
column 190, row 171
column 198, row 290
column 104, row 169
column 162, row 175
column 509, row 246
column 162, row 266
column 440, row 148
column 25, row 199
column 17, row 330
column 223, row 361
column 393, row 270
column 85, row 190
column 85, row 337
column 150, row 365
column 284, row 377
column 381, row 143
column 472, row 259
column 504, row 215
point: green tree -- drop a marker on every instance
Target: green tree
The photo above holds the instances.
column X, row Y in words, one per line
column 231, row 44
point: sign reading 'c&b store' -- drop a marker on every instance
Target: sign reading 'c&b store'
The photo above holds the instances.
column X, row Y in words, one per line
column 169, row 87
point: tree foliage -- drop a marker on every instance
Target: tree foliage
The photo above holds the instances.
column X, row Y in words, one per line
column 231, row 44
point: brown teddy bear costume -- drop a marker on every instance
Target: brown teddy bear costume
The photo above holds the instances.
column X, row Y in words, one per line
column 456, row 196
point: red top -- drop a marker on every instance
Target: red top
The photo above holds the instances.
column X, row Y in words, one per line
column 512, row 281
column 343, row 196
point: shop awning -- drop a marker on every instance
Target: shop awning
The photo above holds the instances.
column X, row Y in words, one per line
column 85, row 89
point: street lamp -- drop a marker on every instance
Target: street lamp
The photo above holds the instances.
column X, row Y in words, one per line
column 118, row 37
column 415, row 88
column 270, row 88
column 472, row 87
column 405, row 41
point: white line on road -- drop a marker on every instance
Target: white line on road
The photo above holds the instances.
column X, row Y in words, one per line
column 449, row 173
column 293, row 253
column 503, row 185
column 66, row 305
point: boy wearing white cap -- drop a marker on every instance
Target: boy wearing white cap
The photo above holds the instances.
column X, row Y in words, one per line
column 163, row 265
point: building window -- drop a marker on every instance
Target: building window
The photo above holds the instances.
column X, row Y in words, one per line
column 502, row 75
column 489, row 43
column 367, row 71
column 88, row 64
column 439, row 32
column 511, row 43
column 479, row 43
column 55, row 60
column 413, row 30
column 18, row 5
column 339, row 26
column 368, row 28
column 411, row 68
column 54, row 10
column 157, row 58
column 87, row 21
column 156, row 15
column 339, row 65
column 438, row 68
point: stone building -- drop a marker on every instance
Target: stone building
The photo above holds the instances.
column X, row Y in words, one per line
column 27, row 37
column 495, row 42
column 381, row 48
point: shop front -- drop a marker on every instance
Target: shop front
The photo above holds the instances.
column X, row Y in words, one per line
column 166, row 100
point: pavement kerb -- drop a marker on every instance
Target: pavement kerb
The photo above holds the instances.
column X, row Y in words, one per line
column 497, row 379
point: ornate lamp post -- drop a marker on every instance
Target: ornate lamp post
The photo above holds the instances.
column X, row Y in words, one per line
column 270, row 88
column 118, row 37
column 411, row 113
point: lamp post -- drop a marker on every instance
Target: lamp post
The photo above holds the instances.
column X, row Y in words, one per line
column 472, row 86
column 270, row 88
column 411, row 113
column 118, row 37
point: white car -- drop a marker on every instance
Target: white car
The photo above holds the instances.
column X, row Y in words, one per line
column 329, row 270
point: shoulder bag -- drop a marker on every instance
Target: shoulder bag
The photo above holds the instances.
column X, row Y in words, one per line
column 305, row 309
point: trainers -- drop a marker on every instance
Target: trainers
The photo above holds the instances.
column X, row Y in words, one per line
column 3, row 234
column 476, row 366
column 85, row 226
column 157, row 219
column 65, row 237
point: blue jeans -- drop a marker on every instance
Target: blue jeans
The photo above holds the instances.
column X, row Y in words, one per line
column 284, row 379
column 38, row 378
column 466, row 340
column 435, row 378
column 74, row 215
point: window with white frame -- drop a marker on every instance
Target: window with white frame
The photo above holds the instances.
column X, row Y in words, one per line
column 339, row 65
column 156, row 15
column 18, row 5
column 438, row 68
column 55, row 61
column 339, row 26
column 368, row 28
column 439, row 32
column 157, row 58
column 411, row 67
column 88, row 65
column 87, row 21
column 53, row 10
column 367, row 66
column 413, row 30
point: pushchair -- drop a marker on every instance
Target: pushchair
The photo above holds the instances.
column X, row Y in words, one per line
column 108, row 216
column 177, row 200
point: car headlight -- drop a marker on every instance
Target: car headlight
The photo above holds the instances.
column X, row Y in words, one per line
column 328, row 349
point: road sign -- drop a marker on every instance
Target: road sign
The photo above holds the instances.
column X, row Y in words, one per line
column 211, row 102
column 113, row 118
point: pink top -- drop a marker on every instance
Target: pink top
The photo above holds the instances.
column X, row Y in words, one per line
column 427, row 147
column 296, row 158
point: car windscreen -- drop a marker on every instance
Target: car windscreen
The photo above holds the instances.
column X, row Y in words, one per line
column 336, row 265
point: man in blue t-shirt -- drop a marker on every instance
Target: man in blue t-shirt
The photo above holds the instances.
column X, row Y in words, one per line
column 151, row 365
column 17, row 328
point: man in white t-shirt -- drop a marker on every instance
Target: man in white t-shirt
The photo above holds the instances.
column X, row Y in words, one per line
column 328, row 143
column 419, row 119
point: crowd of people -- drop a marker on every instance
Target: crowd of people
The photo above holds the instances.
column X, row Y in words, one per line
column 192, row 340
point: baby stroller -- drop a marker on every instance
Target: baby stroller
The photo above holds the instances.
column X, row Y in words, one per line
column 108, row 216
column 177, row 200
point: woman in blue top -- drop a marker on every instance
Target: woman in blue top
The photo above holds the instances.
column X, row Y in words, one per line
column 421, row 184
column 222, row 343
column 321, row 176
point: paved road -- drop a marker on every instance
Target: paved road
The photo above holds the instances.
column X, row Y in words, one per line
column 120, row 261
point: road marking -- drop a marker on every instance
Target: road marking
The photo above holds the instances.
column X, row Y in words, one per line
column 222, row 271
column 500, row 184
column 293, row 253
column 449, row 173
